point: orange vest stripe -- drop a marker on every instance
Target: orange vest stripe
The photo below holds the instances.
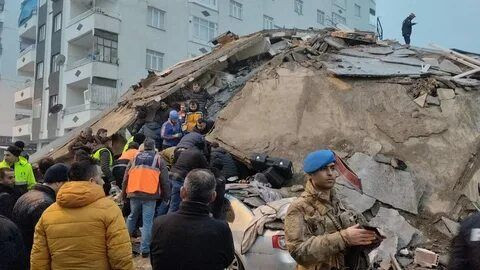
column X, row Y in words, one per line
column 144, row 178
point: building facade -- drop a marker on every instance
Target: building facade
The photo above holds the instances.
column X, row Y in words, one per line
column 82, row 55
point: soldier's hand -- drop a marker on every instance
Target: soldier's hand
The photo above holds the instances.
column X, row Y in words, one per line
column 356, row 236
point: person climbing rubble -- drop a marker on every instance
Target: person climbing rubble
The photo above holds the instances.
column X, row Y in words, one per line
column 407, row 28
column 192, row 117
column 85, row 141
column 320, row 232
column 200, row 95
column 171, row 131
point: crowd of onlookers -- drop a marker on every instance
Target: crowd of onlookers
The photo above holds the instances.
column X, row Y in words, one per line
column 86, row 214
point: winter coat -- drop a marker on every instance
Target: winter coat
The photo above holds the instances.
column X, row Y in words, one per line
column 153, row 130
column 312, row 230
column 188, row 160
column 24, row 176
column 466, row 245
column 28, row 210
column 201, row 98
column 190, row 140
column 229, row 167
column 82, row 230
column 8, row 197
column 407, row 26
column 12, row 256
column 171, row 134
column 191, row 240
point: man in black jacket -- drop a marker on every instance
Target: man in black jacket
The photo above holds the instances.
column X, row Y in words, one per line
column 11, row 246
column 8, row 194
column 190, row 238
column 407, row 28
column 465, row 253
column 30, row 206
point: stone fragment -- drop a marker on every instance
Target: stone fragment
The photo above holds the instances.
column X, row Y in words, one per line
column 387, row 247
column 447, row 106
column 404, row 262
column 354, row 199
column 460, row 91
column 431, row 100
column 445, row 93
column 448, row 66
column 381, row 158
column 452, row 226
column 425, row 258
column 421, row 100
column 390, row 186
column 393, row 224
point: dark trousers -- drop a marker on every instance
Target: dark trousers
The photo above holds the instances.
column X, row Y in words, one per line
column 407, row 39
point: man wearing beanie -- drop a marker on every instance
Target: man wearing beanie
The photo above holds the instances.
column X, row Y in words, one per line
column 24, row 177
column 320, row 232
column 30, row 206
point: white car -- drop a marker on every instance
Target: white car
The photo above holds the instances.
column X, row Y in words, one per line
column 268, row 251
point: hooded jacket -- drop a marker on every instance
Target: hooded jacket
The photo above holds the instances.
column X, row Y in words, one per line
column 314, row 230
column 24, row 176
column 82, row 230
column 153, row 130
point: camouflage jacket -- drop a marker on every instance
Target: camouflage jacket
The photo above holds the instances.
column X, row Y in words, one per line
column 314, row 230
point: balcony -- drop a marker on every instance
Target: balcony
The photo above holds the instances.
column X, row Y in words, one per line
column 29, row 28
column 87, row 67
column 86, row 22
column 22, row 129
column 26, row 61
column 24, row 97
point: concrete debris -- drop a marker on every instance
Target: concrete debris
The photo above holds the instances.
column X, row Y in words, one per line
column 425, row 258
column 352, row 198
column 460, row 91
column 278, row 47
column 387, row 248
column 390, row 186
column 468, row 82
column 452, row 226
column 404, row 52
column 448, row 66
column 444, row 94
column 434, row 101
column 393, row 224
column 337, row 43
column 404, row 262
column 433, row 62
column 420, row 101
column 404, row 252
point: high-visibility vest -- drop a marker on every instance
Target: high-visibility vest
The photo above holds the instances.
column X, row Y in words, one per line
column 144, row 177
column 23, row 172
column 129, row 154
column 96, row 155
column 191, row 120
column 125, row 148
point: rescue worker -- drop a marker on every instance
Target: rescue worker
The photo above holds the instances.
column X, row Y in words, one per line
column 24, row 177
column 200, row 95
column 146, row 181
column 161, row 115
column 407, row 28
column 101, row 137
column 171, row 131
column 21, row 145
column 138, row 138
column 319, row 230
column 85, row 141
column 192, row 116
column 465, row 253
column 103, row 155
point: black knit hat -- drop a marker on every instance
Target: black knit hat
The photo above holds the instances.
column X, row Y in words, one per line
column 56, row 173
column 14, row 150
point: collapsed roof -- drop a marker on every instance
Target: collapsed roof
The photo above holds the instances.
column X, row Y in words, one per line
column 288, row 92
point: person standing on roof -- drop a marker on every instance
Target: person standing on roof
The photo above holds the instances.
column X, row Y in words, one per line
column 407, row 28
column 200, row 95
column 465, row 252
column 24, row 177
column 320, row 232
column 146, row 181
column 171, row 131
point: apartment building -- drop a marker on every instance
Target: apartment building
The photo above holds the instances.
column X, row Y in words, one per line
column 82, row 55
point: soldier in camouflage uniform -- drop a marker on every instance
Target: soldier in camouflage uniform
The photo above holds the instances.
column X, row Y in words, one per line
column 321, row 233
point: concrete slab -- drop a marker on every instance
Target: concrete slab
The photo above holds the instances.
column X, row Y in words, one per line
column 394, row 225
column 445, row 93
column 448, row 66
column 354, row 199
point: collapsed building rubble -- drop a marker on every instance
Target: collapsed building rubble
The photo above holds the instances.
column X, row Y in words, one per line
column 405, row 120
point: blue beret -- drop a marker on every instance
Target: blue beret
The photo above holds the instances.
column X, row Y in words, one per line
column 318, row 160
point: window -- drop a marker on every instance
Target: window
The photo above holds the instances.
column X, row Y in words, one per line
column 209, row 3
column 39, row 71
column 298, row 7
column 320, row 17
column 373, row 18
column 236, row 9
column 203, row 29
column 357, row 10
column 55, row 64
column 338, row 19
column 41, row 33
column 267, row 22
column 341, row 3
column 53, row 101
column 106, row 50
column 156, row 18
column 57, row 22
column 154, row 60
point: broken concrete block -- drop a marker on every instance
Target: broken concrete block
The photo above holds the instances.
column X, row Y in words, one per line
column 452, row 226
column 354, row 199
column 425, row 258
column 278, row 47
column 393, row 224
column 398, row 164
column 421, row 100
column 431, row 61
column 381, row 158
column 445, row 93
column 447, row 106
column 460, row 91
column 448, row 66
column 390, row 186
column 431, row 100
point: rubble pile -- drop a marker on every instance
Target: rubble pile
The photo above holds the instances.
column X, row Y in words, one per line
column 406, row 120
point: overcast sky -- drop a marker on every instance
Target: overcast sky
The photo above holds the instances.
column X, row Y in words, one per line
column 448, row 23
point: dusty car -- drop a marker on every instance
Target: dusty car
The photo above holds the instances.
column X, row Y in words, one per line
column 268, row 251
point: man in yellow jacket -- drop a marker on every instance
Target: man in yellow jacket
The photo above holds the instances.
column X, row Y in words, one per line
column 83, row 229
column 24, row 177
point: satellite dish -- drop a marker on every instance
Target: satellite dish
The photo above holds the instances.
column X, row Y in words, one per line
column 60, row 59
column 55, row 109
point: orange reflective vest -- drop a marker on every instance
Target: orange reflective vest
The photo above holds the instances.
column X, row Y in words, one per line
column 129, row 154
column 144, row 178
column 191, row 120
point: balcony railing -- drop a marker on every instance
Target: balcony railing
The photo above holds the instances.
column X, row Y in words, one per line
column 97, row 98
column 24, row 121
column 26, row 50
column 91, row 11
